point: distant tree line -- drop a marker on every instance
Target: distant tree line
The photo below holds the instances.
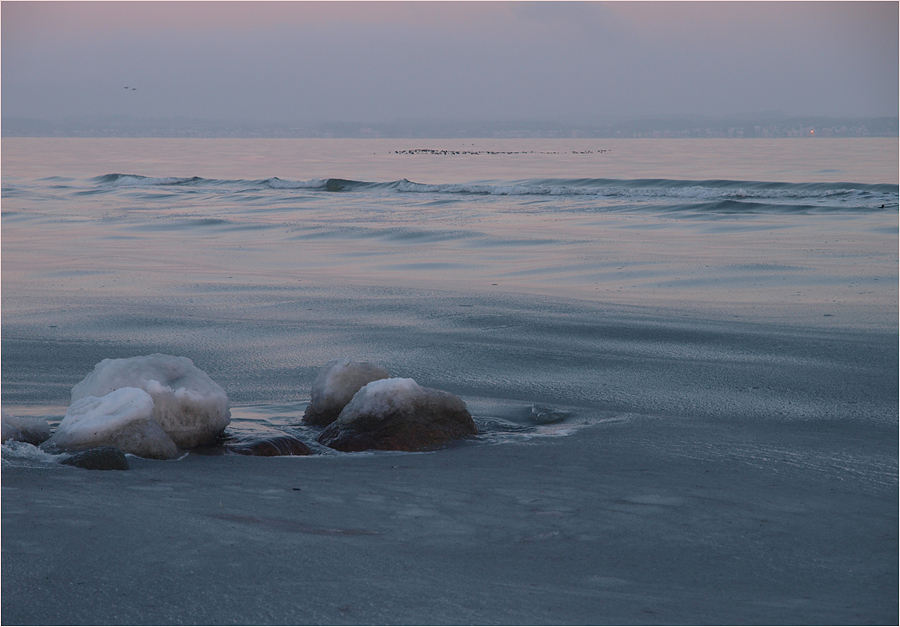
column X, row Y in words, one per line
column 670, row 126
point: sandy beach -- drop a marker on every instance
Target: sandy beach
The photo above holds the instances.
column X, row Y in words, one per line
column 606, row 528
column 767, row 494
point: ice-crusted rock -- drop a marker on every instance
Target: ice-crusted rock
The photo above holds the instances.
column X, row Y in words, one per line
column 187, row 404
column 398, row 415
column 23, row 429
column 123, row 419
column 335, row 385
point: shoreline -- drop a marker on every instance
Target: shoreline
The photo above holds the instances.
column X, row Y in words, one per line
column 719, row 366
column 615, row 525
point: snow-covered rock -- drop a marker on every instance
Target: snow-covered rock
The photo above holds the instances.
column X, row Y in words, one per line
column 123, row 419
column 335, row 385
column 187, row 404
column 399, row 415
column 23, row 428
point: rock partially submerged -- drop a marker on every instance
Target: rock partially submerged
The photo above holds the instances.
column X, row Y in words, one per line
column 399, row 415
column 542, row 415
column 23, row 429
column 122, row 419
column 272, row 447
column 189, row 406
column 335, row 386
column 103, row 458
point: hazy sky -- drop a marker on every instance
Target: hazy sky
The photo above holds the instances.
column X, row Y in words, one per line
column 384, row 61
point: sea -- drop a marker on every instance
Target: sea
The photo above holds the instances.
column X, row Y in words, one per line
column 736, row 297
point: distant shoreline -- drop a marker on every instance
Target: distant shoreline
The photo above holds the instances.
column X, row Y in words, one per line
column 658, row 128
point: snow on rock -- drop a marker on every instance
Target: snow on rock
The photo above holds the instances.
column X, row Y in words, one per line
column 399, row 415
column 187, row 404
column 122, row 419
column 335, row 385
column 23, row 429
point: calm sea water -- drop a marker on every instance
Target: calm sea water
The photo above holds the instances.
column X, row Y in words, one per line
column 565, row 273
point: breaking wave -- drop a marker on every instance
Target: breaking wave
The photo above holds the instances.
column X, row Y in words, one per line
column 711, row 195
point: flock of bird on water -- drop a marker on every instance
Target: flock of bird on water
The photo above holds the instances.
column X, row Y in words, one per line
column 429, row 151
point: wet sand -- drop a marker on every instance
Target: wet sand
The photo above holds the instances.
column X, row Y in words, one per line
column 637, row 521
column 724, row 472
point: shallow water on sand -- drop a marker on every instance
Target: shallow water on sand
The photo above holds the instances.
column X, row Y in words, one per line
column 537, row 283
column 711, row 328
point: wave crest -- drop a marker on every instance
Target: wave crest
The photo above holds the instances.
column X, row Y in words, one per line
column 712, row 195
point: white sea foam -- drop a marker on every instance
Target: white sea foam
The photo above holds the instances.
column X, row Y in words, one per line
column 126, row 180
column 25, row 455
column 277, row 183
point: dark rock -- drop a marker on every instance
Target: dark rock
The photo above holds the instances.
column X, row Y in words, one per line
column 102, row 458
column 217, row 446
column 272, row 447
column 399, row 415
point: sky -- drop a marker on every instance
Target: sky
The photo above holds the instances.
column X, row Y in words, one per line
column 433, row 61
